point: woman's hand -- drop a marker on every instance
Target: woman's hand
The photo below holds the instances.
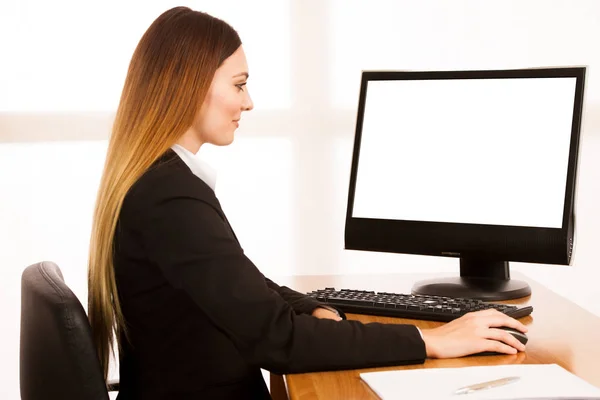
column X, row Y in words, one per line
column 473, row 333
column 324, row 313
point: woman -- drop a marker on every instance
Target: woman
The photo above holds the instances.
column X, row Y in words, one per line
column 194, row 318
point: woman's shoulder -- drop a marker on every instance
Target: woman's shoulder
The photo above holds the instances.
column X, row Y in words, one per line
column 169, row 177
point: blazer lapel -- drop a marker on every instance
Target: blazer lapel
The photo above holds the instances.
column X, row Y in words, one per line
column 172, row 157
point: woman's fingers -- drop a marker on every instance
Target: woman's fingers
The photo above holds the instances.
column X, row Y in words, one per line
column 503, row 336
column 495, row 318
column 506, row 321
column 499, row 347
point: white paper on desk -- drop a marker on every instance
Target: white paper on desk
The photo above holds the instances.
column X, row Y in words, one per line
column 544, row 381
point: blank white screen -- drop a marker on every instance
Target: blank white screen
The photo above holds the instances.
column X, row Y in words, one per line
column 483, row 151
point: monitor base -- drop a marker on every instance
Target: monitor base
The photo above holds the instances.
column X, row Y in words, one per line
column 487, row 289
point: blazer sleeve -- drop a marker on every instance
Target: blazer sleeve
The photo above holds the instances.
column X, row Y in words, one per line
column 301, row 303
column 197, row 253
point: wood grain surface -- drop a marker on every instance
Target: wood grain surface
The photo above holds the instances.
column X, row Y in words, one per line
column 560, row 332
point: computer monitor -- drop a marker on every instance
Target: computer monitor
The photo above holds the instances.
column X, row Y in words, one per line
column 477, row 165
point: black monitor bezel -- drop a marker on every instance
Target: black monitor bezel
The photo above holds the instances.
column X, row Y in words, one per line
column 486, row 242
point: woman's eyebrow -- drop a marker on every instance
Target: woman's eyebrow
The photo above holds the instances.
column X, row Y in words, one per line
column 242, row 74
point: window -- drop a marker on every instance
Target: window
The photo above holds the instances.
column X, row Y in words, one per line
column 72, row 56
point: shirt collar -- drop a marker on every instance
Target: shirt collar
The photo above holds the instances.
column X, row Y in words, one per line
column 199, row 167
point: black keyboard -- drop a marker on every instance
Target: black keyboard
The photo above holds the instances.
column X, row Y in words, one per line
column 432, row 308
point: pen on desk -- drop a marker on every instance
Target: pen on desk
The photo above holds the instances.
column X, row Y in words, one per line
column 486, row 385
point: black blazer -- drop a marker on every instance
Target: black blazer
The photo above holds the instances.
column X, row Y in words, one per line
column 202, row 319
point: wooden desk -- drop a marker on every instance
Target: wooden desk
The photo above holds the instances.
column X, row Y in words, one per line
column 560, row 332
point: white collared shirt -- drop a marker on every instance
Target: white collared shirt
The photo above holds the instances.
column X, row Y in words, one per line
column 199, row 167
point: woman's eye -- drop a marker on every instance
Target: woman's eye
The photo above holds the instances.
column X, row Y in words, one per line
column 241, row 85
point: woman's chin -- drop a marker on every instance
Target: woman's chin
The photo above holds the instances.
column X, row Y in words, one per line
column 226, row 141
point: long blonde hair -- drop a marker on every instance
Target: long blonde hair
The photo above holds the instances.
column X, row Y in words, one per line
column 168, row 78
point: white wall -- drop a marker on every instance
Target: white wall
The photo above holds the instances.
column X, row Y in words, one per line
column 64, row 62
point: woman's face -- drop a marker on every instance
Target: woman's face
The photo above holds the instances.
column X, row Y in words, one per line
column 227, row 98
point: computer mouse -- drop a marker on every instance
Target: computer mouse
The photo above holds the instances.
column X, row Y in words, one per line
column 520, row 336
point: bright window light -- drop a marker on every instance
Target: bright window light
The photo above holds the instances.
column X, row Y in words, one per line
column 73, row 55
column 258, row 197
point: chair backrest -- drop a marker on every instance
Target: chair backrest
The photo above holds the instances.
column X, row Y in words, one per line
column 57, row 359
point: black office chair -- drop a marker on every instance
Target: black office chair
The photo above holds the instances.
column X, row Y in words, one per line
column 57, row 360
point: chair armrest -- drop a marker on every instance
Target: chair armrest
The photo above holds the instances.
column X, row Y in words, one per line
column 112, row 385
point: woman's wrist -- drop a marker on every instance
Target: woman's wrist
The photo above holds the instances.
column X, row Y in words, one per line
column 326, row 313
column 428, row 339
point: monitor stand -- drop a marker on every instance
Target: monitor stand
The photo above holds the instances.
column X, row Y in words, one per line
column 479, row 279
